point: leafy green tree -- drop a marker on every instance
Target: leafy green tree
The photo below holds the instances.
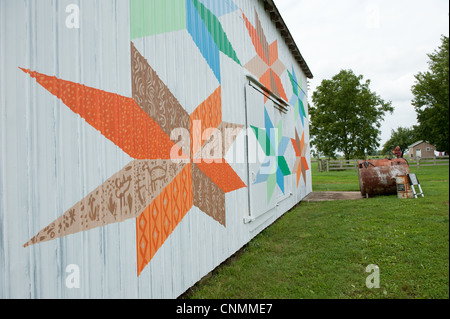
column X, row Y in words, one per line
column 403, row 137
column 346, row 116
column 431, row 99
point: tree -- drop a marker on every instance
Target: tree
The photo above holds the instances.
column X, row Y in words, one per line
column 403, row 137
column 431, row 99
column 346, row 116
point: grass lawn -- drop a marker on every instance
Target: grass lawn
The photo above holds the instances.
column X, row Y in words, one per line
column 321, row 250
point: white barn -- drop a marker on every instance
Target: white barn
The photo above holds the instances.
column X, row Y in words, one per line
column 143, row 142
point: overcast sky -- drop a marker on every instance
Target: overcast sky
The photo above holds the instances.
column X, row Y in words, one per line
column 386, row 41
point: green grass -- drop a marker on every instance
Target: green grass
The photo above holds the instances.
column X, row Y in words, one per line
column 321, row 250
column 335, row 180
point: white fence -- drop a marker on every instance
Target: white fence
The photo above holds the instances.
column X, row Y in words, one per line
column 429, row 161
column 326, row 165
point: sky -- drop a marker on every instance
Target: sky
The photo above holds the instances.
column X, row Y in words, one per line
column 386, row 41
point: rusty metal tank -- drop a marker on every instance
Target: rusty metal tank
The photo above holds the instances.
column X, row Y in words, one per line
column 378, row 177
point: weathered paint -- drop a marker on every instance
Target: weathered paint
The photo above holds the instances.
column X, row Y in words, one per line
column 92, row 116
column 404, row 189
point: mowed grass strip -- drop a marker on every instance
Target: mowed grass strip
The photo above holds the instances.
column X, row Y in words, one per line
column 321, row 250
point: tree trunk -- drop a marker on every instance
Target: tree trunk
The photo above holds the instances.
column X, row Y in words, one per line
column 347, row 155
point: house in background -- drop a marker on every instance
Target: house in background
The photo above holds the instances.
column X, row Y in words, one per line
column 422, row 149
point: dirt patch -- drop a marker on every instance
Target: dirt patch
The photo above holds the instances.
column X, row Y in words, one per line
column 332, row 196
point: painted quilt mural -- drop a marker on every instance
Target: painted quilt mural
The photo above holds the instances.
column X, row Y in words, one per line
column 153, row 189
column 301, row 163
column 266, row 65
column 199, row 17
column 298, row 97
column 274, row 168
column 268, row 68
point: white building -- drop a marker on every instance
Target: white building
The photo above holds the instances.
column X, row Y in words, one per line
column 98, row 98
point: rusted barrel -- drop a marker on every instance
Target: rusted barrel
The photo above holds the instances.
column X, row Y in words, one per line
column 378, row 177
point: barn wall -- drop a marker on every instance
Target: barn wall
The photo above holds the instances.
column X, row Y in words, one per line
column 92, row 203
